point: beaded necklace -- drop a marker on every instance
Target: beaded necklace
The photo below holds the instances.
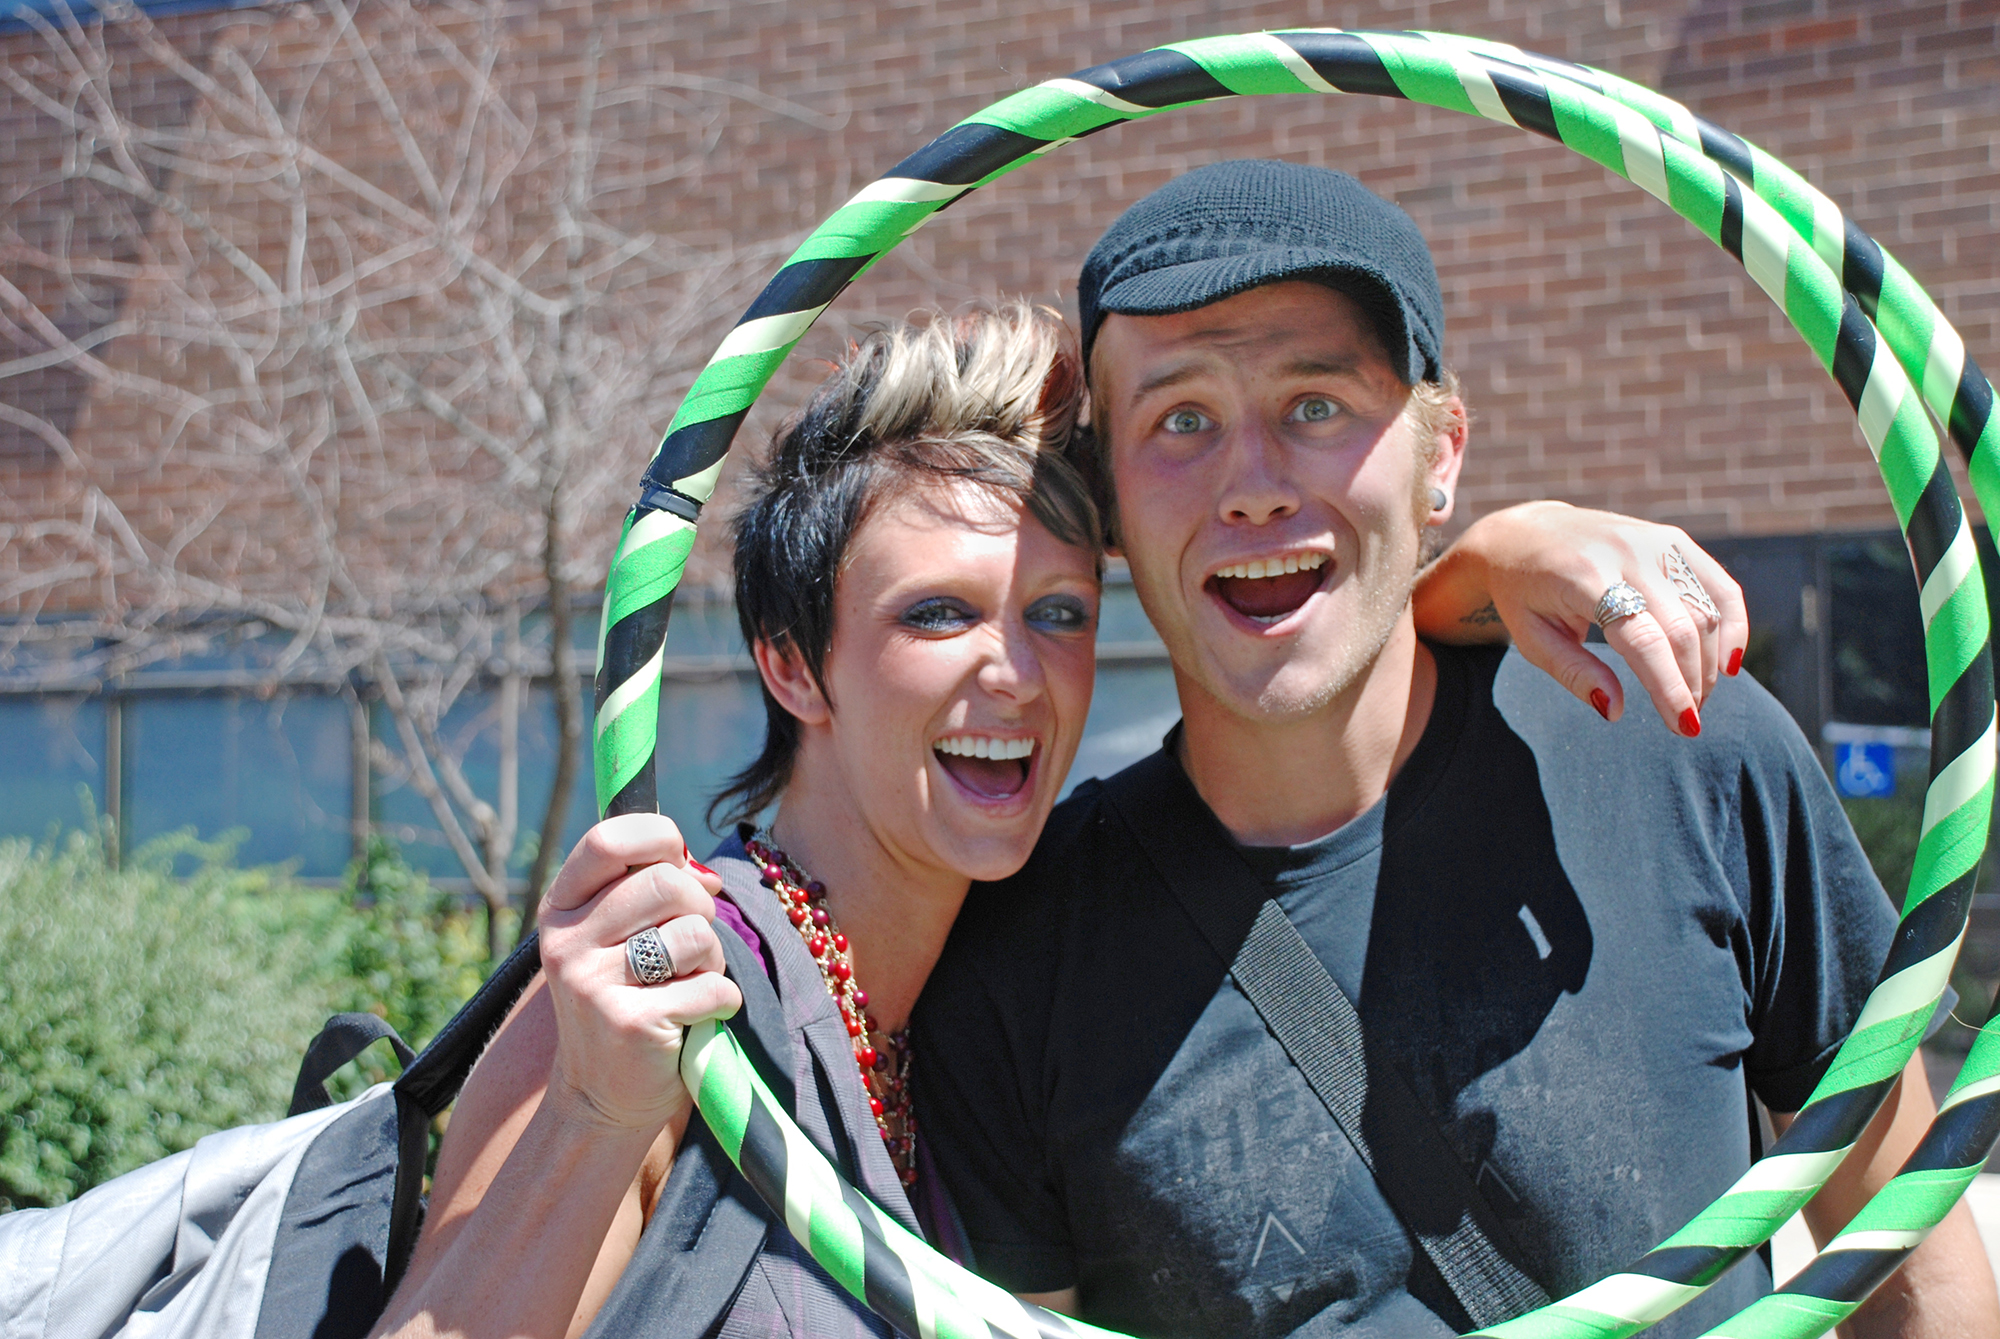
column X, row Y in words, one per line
column 882, row 1057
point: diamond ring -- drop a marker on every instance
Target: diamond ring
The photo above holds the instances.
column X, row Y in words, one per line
column 1622, row 600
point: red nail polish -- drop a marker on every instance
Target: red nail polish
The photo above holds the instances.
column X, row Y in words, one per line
column 1690, row 723
column 1735, row 661
column 1601, row 701
column 700, row 868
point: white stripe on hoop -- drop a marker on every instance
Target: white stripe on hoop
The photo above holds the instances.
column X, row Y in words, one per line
column 1882, row 398
column 621, row 698
column 766, row 333
column 1076, row 88
column 1944, row 366
column 1301, row 69
column 1788, row 1172
column 1829, row 231
column 1985, row 1087
column 1881, row 1239
column 1636, row 1299
column 904, row 191
column 1958, row 781
column 1916, row 987
column 1478, row 86
column 1645, row 157
column 1960, row 557
column 1766, row 239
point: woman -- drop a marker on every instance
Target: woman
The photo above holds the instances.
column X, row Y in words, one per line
column 918, row 574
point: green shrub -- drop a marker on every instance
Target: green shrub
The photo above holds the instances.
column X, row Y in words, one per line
column 400, row 949
column 1888, row 830
column 140, row 1011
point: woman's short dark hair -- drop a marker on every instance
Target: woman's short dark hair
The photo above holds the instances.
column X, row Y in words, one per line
column 988, row 395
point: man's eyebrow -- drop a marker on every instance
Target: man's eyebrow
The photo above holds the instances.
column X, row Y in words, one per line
column 1192, row 368
column 1170, row 376
column 1323, row 367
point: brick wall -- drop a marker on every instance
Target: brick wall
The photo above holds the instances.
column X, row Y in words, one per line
column 1613, row 356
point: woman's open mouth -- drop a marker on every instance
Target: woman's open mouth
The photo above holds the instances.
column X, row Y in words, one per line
column 1269, row 590
column 988, row 767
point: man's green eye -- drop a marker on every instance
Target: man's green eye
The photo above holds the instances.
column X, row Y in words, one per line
column 1184, row 421
column 1318, row 409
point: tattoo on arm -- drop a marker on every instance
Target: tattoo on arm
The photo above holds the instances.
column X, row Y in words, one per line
column 1484, row 617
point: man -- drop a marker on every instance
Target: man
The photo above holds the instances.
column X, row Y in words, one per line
column 1575, row 943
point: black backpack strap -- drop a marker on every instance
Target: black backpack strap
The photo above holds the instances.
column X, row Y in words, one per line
column 430, row 1082
column 1417, row 1169
column 435, row 1077
column 344, row 1037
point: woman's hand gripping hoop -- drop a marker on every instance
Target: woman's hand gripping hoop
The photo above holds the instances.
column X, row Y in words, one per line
column 631, row 961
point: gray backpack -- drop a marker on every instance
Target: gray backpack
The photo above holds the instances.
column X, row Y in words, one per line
column 300, row 1228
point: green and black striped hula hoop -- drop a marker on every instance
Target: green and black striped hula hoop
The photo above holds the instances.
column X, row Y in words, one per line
column 1873, row 328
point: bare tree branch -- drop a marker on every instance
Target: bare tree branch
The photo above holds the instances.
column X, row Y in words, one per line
column 402, row 351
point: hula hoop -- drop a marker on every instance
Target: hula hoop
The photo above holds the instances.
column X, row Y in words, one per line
column 1871, row 326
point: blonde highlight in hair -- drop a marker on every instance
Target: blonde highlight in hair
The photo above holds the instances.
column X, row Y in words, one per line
column 1000, row 375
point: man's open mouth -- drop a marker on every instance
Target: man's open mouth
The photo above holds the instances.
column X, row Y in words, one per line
column 993, row 769
column 1270, row 589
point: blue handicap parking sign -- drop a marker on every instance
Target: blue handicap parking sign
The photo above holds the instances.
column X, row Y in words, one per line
column 1864, row 771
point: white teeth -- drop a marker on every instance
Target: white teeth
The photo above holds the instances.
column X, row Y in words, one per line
column 985, row 746
column 1271, row 567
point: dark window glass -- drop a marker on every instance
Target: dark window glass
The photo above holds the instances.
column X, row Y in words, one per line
column 707, row 730
column 51, row 763
column 470, row 731
column 279, row 771
column 1879, row 674
column 1877, row 634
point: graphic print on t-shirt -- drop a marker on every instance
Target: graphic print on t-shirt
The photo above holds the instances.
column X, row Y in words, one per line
column 1278, row 1260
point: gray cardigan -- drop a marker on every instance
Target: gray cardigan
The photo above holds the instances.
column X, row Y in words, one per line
column 714, row 1261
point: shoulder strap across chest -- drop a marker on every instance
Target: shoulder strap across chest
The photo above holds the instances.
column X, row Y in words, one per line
column 1305, row 1009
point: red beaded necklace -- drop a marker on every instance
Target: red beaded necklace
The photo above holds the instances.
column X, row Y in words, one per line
column 882, row 1057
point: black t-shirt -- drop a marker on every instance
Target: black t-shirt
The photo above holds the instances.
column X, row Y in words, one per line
column 1575, row 940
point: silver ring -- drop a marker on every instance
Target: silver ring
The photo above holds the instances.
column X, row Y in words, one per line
column 1620, row 601
column 1686, row 583
column 646, row 954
